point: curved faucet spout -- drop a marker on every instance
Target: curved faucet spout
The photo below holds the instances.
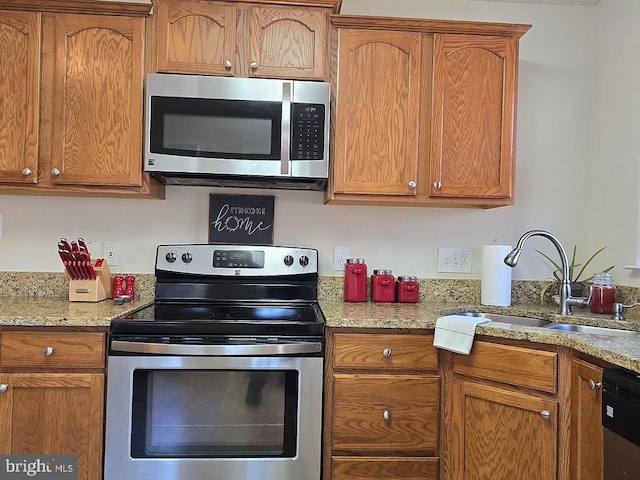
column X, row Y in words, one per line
column 565, row 286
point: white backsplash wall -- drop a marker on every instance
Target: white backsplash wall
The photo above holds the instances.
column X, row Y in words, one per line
column 554, row 148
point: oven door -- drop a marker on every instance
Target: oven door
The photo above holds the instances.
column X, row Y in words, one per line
column 195, row 417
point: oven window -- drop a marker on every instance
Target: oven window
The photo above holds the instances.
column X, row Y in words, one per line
column 236, row 129
column 221, row 413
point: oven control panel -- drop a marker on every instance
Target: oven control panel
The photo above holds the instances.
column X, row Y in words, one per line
column 236, row 260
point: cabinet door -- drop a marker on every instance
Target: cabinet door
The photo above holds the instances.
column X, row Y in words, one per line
column 502, row 435
column 97, row 100
column 196, row 37
column 473, row 128
column 287, row 42
column 20, row 34
column 376, row 146
column 47, row 413
column 587, row 447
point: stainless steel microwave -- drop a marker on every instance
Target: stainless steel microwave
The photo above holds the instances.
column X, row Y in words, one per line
column 224, row 131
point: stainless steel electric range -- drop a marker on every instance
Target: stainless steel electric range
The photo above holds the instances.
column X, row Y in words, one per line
column 221, row 377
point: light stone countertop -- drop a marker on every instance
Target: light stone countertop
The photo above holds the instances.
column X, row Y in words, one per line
column 60, row 312
column 622, row 351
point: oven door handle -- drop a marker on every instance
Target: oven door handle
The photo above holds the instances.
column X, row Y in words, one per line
column 293, row 348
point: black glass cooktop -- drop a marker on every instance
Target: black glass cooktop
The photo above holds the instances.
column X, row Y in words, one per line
column 177, row 318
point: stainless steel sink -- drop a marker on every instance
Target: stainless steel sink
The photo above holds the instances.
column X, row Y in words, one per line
column 570, row 327
column 511, row 319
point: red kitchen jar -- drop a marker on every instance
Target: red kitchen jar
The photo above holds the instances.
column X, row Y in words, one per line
column 603, row 294
column 407, row 289
column 383, row 287
column 355, row 280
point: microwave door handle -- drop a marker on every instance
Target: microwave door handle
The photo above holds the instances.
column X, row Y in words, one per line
column 285, row 142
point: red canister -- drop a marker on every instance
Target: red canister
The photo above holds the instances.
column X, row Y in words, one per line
column 407, row 289
column 383, row 287
column 355, row 280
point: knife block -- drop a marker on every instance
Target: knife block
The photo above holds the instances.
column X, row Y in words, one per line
column 94, row 290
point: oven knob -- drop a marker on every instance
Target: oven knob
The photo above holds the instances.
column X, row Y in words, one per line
column 187, row 257
column 288, row 260
column 171, row 257
column 304, row 260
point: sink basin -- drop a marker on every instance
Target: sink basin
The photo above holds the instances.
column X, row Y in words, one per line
column 511, row 319
column 569, row 327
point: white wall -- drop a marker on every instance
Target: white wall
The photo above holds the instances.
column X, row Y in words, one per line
column 556, row 145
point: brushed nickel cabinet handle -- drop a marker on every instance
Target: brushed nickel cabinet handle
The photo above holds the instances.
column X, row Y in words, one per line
column 593, row 385
column 26, row 172
column 412, row 184
column 387, row 415
column 48, row 351
column 55, row 172
column 546, row 414
column 3, row 387
column 228, row 64
column 254, row 65
column 386, row 352
column 437, row 184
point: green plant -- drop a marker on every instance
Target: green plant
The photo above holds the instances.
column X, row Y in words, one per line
column 576, row 270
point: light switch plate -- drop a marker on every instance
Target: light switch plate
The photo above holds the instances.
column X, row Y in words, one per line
column 454, row 260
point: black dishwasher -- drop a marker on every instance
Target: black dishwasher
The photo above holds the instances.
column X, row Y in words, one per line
column 621, row 422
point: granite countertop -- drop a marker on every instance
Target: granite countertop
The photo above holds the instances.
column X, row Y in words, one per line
column 622, row 351
column 60, row 312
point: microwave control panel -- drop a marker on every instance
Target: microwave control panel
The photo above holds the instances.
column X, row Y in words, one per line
column 307, row 136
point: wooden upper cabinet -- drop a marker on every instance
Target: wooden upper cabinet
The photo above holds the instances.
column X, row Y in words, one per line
column 196, row 37
column 473, row 127
column 97, row 100
column 378, row 91
column 424, row 112
column 287, row 42
column 247, row 40
column 20, row 34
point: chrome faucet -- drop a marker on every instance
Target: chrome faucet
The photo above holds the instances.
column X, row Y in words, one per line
column 565, row 286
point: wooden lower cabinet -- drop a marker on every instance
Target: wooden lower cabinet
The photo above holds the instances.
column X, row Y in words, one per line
column 52, row 390
column 384, row 468
column 506, row 412
column 500, row 434
column 382, row 392
column 587, row 448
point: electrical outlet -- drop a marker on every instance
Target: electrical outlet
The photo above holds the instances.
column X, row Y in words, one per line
column 111, row 252
column 340, row 255
column 454, row 260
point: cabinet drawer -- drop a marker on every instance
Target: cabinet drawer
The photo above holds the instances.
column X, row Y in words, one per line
column 523, row 367
column 376, row 468
column 385, row 352
column 52, row 349
column 385, row 413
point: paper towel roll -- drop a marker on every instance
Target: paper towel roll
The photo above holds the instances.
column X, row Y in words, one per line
column 496, row 276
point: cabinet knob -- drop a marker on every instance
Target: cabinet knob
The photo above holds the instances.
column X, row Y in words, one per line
column 412, row 184
column 437, row 184
column 386, row 352
column 3, row 387
column 254, row 64
column 48, row 351
column 593, row 385
column 228, row 64
column 26, row 172
column 387, row 415
column 545, row 414
column 55, row 172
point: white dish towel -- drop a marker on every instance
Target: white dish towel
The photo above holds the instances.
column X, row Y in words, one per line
column 456, row 332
